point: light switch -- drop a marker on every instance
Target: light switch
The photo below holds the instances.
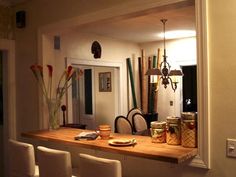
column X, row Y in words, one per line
column 231, row 148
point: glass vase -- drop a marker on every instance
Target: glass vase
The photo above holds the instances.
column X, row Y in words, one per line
column 53, row 111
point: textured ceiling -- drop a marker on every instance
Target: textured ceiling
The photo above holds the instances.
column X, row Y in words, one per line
column 145, row 28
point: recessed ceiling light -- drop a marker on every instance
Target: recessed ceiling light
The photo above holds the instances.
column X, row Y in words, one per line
column 178, row 34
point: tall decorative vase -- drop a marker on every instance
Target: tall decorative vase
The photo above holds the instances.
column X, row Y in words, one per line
column 53, row 110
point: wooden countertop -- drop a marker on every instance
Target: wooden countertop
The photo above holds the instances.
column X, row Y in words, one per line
column 144, row 147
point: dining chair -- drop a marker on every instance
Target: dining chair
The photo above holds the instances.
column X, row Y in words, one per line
column 90, row 166
column 22, row 160
column 54, row 163
column 139, row 122
column 123, row 125
column 131, row 113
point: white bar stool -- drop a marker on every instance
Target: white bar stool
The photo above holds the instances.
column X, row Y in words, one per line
column 54, row 163
column 22, row 160
column 90, row 166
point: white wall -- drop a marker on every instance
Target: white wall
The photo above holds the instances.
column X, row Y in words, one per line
column 104, row 101
column 222, row 72
column 6, row 23
column 77, row 45
column 180, row 52
column 222, row 39
column 39, row 14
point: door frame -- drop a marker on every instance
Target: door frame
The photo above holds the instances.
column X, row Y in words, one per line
column 90, row 119
column 8, row 48
column 9, row 126
column 120, row 101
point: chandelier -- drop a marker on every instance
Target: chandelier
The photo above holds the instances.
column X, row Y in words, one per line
column 167, row 75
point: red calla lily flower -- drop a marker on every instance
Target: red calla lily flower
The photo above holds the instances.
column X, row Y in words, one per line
column 50, row 69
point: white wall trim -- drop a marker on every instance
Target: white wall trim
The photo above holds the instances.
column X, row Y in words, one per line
column 203, row 158
column 42, row 121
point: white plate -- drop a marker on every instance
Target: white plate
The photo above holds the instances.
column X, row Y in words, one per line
column 122, row 142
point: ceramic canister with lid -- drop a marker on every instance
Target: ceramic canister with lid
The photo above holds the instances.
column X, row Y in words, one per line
column 173, row 133
column 189, row 129
column 104, row 131
column 158, row 131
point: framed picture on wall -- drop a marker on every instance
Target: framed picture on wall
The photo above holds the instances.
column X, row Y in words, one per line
column 105, row 82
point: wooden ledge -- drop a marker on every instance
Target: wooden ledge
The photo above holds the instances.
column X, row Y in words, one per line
column 144, row 147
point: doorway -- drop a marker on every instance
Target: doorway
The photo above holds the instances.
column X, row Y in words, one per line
column 4, row 121
column 112, row 100
column 1, row 116
column 8, row 129
column 92, row 103
column 190, row 88
column 83, row 98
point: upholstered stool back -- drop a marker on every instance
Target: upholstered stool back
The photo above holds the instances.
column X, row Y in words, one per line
column 91, row 166
column 21, row 160
column 54, row 163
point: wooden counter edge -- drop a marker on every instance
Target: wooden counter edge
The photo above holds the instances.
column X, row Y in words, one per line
column 175, row 160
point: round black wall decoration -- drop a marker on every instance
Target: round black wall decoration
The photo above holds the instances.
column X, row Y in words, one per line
column 96, row 49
